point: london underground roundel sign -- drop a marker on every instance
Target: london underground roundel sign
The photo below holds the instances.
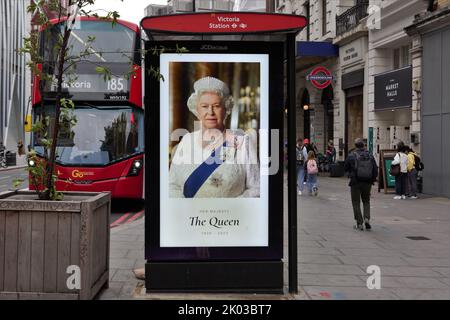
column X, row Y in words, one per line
column 320, row 77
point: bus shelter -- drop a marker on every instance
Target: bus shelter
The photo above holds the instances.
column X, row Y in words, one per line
column 218, row 88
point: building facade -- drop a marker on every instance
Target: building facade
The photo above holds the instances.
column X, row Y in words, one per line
column 352, row 75
column 430, row 59
column 321, row 112
column 156, row 10
column 372, row 47
column 14, row 76
column 185, row 6
column 393, row 106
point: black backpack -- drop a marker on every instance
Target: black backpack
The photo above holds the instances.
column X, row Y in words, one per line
column 363, row 167
column 418, row 164
column 299, row 155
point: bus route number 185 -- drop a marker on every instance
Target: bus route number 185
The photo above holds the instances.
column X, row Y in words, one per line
column 116, row 84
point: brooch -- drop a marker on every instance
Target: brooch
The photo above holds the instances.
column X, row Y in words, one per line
column 216, row 180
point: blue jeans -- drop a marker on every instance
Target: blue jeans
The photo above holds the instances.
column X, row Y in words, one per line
column 312, row 182
column 300, row 177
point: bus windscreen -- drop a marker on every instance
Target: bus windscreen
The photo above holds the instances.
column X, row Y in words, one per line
column 101, row 135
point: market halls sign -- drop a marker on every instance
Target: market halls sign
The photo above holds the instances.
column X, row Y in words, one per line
column 393, row 89
column 224, row 23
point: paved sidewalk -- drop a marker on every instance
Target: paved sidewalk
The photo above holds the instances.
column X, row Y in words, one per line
column 126, row 254
column 333, row 257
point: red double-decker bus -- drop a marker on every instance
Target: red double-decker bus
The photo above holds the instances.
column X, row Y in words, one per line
column 104, row 150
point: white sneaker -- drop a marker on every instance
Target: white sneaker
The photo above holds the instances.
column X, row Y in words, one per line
column 413, row 197
column 299, row 193
column 403, row 197
column 397, row 197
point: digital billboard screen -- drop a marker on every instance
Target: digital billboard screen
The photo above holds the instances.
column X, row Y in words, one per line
column 210, row 128
column 213, row 192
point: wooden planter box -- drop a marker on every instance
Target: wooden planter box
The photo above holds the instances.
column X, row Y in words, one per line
column 40, row 239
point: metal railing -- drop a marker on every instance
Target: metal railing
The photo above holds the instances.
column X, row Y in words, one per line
column 351, row 18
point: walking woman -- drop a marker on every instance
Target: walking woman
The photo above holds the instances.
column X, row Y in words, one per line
column 313, row 170
column 301, row 156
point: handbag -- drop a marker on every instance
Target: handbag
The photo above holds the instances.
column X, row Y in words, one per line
column 395, row 170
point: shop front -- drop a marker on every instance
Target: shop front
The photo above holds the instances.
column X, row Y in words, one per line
column 392, row 109
column 353, row 86
column 352, row 58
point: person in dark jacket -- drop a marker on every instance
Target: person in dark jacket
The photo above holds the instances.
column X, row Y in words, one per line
column 307, row 145
column 330, row 153
column 361, row 181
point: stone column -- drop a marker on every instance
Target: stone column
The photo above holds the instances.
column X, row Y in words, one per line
column 318, row 126
column 416, row 60
column 300, row 120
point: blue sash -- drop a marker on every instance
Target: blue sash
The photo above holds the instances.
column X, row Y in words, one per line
column 202, row 173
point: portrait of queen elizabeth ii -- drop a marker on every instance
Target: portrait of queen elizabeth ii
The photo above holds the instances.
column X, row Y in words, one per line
column 213, row 161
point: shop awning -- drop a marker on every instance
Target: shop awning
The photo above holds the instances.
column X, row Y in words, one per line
column 312, row 53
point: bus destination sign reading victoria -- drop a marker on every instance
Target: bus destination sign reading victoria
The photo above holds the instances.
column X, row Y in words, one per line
column 116, row 88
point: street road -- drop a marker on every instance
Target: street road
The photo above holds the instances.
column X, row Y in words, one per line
column 7, row 177
column 122, row 211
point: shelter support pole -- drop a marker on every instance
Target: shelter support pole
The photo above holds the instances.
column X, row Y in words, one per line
column 292, row 174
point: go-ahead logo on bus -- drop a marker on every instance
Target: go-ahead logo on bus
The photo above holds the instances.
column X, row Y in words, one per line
column 79, row 174
column 320, row 77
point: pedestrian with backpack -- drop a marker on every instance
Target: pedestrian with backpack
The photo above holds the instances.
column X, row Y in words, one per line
column 414, row 166
column 313, row 170
column 363, row 172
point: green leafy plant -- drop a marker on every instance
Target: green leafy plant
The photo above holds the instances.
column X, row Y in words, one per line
column 55, row 68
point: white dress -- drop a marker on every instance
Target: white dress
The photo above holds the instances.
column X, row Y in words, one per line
column 237, row 176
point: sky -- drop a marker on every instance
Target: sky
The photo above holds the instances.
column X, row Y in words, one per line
column 129, row 10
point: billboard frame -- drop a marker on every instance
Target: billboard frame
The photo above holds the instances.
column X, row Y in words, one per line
column 236, row 275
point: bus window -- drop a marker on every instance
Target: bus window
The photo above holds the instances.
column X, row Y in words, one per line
column 101, row 136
